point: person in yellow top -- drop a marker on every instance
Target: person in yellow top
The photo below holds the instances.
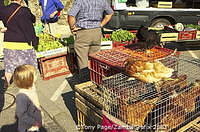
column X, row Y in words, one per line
column 19, row 37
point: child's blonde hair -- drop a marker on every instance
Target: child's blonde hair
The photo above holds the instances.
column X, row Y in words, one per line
column 24, row 76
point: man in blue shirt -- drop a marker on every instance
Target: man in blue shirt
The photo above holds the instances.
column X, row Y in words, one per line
column 50, row 9
column 86, row 18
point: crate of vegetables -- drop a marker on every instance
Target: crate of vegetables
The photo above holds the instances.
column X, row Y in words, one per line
column 54, row 58
column 122, row 38
column 48, row 45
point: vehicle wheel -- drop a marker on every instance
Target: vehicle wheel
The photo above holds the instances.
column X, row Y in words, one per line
column 160, row 22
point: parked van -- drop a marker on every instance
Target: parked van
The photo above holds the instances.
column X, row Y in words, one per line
column 131, row 14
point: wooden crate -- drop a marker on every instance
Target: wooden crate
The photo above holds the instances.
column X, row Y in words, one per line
column 90, row 108
column 168, row 37
column 163, row 4
column 53, row 66
column 198, row 35
column 89, row 92
column 193, row 126
column 88, row 115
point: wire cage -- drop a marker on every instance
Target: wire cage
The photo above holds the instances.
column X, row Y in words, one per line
column 164, row 105
column 109, row 62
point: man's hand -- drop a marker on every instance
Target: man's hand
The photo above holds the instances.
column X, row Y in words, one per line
column 106, row 19
column 53, row 14
column 74, row 29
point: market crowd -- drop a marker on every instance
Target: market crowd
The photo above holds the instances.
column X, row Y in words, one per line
column 85, row 18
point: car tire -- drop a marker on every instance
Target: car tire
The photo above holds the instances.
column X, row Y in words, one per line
column 160, row 22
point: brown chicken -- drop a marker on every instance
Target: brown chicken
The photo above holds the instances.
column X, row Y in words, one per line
column 187, row 99
column 175, row 84
column 173, row 117
column 135, row 114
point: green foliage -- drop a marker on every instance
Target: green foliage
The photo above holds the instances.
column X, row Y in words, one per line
column 47, row 42
column 192, row 26
column 38, row 28
column 67, row 41
column 122, row 35
column 105, row 39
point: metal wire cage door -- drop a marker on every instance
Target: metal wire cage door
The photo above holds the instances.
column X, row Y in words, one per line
column 166, row 104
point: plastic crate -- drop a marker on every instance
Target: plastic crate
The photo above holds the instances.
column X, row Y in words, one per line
column 106, row 63
column 117, row 44
column 152, row 54
column 72, row 62
column 135, row 40
column 187, row 35
column 53, row 66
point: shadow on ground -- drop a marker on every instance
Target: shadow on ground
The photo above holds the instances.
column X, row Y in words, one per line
column 69, row 97
column 9, row 128
column 13, row 128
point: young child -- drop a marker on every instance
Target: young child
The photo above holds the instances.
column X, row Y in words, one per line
column 28, row 111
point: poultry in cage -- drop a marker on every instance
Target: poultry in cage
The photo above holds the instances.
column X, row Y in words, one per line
column 172, row 86
column 174, row 117
column 137, row 113
column 176, row 108
column 187, row 99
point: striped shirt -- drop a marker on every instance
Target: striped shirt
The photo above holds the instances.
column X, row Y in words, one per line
column 89, row 13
